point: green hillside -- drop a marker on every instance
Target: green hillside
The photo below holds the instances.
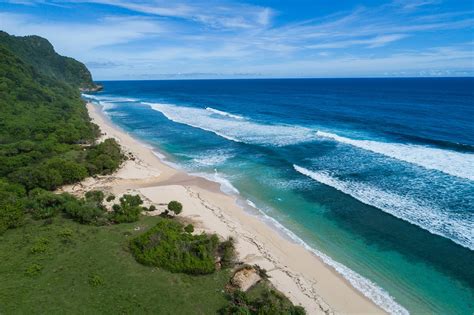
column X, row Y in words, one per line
column 39, row 53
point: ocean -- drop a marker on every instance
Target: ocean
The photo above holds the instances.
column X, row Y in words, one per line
column 376, row 176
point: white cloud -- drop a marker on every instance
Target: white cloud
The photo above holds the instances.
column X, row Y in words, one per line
column 218, row 37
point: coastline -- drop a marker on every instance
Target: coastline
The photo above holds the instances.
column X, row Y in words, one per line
column 307, row 281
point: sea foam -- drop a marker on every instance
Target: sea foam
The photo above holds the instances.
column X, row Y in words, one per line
column 222, row 113
column 454, row 226
column 449, row 162
column 238, row 130
column 368, row 288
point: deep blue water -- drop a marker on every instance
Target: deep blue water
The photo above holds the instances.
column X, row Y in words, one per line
column 377, row 174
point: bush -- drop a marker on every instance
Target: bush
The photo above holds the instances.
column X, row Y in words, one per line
column 95, row 196
column 110, row 198
column 189, row 228
column 83, row 211
column 152, row 208
column 131, row 201
column 129, row 209
column 12, row 204
column 40, row 246
column 175, row 206
column 226, row 251
column 33, row 270
column 104, row 158
column 96, row 280
column 268, row 302
column 167, row 246
column 44, row 204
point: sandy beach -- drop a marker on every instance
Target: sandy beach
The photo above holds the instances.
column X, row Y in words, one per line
column 293, row 270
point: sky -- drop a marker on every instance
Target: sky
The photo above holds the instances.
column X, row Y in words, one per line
column 194, row 39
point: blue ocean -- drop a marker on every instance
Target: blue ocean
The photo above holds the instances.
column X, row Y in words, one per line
column 376, row 176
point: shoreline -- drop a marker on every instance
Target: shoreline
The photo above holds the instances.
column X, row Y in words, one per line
column 308, row 281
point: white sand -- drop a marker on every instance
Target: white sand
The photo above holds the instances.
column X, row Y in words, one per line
column 295, row 271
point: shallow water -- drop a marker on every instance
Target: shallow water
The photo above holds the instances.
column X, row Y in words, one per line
column 377, row 174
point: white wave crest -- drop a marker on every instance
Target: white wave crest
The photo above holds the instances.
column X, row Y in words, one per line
column 222, row 113
column 449, row 162
column 233, row 129
column 453, row 226
column 368, row 288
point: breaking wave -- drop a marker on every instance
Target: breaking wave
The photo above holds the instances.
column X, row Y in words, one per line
column 454, row 226
column 449, row 162
column 238, row 130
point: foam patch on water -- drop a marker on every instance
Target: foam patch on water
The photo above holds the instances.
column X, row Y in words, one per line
column 238, row 130
column 449, row 162
column 368, row 288
column 222, row 113
column 212, row 157
column 455, row 226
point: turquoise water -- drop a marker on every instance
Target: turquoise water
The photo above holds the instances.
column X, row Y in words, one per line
column 375, row 175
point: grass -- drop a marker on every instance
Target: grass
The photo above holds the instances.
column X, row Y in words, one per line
column 64, row 267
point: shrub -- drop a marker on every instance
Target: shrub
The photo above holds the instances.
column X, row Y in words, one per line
column 175, row 206
column 85, row 212
column 131, row 201
column 33, row 270
column 40, row 246
column 189, row 228
column 110, row 198
column 104, row 158
column 96, row 280
column 226, row 251
column 124, row 214
column 96, row 196
column 129, row 209
column 44, row 204
column 267, row 302
column 152, row 208
column 12, row 204
column 66, row 233
column 167, row 246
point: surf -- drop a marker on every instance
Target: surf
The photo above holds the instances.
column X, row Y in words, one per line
column 455, row 227
column 237, row 130
column 449, row 162
column 222, row 113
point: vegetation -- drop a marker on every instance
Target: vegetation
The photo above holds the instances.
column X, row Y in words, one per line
column 87, row 269
column 168, row 246
column 189, row 228
column 129, row 209
column 40, row 54
column 262, row 299
column 46, row 137
column 175, row 206
column 226, row 251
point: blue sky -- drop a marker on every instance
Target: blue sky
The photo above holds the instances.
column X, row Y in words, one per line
column 184, row 39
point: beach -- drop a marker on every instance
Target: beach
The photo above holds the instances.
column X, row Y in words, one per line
column 295, row 271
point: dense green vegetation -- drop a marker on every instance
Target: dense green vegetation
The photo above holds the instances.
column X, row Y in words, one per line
column 46, row 137
column 128, row 210
column 261, row 300
column 40, row 54
column 168, row 246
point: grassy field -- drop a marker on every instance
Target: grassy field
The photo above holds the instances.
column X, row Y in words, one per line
column 63, row 267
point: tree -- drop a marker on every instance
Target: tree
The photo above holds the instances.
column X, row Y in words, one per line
column 175, row 206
